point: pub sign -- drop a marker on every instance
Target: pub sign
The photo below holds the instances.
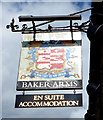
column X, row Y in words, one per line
column 50, row 64
column 48, row 100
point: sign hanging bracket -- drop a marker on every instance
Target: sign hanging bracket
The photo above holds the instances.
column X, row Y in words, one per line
column 74, row 91
column 71, row 29
column 49, row 28
column 48, row 19
column 34, row 28
column 23, row 93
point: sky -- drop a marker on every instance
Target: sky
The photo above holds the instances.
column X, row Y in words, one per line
column 11, row 46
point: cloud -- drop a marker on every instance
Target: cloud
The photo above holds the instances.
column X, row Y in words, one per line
column 11, row 52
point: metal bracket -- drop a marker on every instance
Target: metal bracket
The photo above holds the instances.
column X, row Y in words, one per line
column 49, row 28
column 71, row 29
column 74, row 91
column 23, row 92
column 49, row 19
column 12, row 26
column 15, row 28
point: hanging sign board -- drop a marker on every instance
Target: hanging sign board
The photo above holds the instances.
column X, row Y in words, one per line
column 51, row 100
column 50, row 65
column 45, row 36
column 57, row 36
